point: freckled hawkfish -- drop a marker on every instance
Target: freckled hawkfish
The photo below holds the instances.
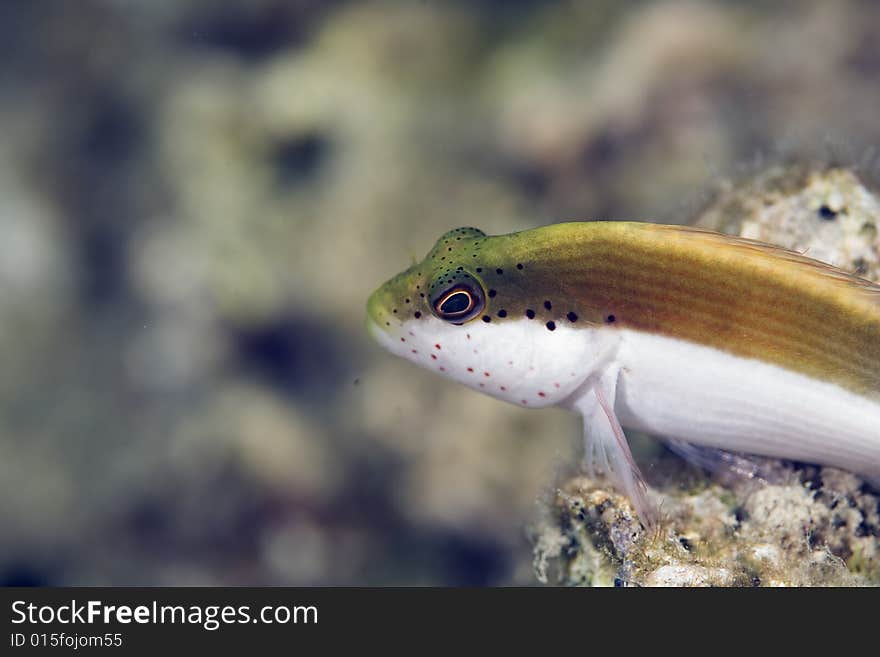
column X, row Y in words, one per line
column 702, row 339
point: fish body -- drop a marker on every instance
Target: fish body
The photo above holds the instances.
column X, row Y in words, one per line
column 697, row 337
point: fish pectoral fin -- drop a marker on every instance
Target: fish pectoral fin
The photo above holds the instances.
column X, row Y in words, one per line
column 605, row 445
column 721, row 462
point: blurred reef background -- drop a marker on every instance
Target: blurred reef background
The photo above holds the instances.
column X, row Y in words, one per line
column 197, row 197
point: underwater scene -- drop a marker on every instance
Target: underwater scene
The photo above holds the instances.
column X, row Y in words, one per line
column 201, row 204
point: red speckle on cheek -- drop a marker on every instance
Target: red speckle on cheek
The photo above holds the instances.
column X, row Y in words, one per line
column 414, row 351
column 442, row 369
column 524, row 402
column 482, row 385
column 541, row 394
column 503, row 388
column 486, row 374
column 433, row 357
column 436, row 346
column 470, row 369
column 403, row 339
column 468, row 336
column 556, row 385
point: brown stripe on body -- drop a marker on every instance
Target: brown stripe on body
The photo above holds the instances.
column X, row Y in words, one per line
column 744, row 298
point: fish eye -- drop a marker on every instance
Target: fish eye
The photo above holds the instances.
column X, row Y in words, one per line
column 459, row 304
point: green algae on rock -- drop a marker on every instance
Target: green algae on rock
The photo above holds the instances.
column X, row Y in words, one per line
column 773, row 535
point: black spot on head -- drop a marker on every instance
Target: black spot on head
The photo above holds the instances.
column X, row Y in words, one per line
column 418, row 315
column 572, row 317
column 530, row 313
column 502, row 313
column 406, row 300
column 827, row 213
column 479, row 269
column 551, row 325
column 487, row 319
column 492, row 293
column 499, row 271
column 519, row 265
column 548, row 305
column 611, row 319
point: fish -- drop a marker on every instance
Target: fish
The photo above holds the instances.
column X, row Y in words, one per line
column 714, row 343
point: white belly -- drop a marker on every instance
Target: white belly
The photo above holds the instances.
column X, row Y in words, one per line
column 676, row 389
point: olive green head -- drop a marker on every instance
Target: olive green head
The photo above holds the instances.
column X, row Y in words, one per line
column 446, row 284
column 469, row 278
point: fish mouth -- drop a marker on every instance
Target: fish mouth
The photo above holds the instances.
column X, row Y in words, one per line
column 376, row 316
column 378, row 333
column 373, row 329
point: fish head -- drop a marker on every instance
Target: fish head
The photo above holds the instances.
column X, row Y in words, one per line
column 475, row 310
